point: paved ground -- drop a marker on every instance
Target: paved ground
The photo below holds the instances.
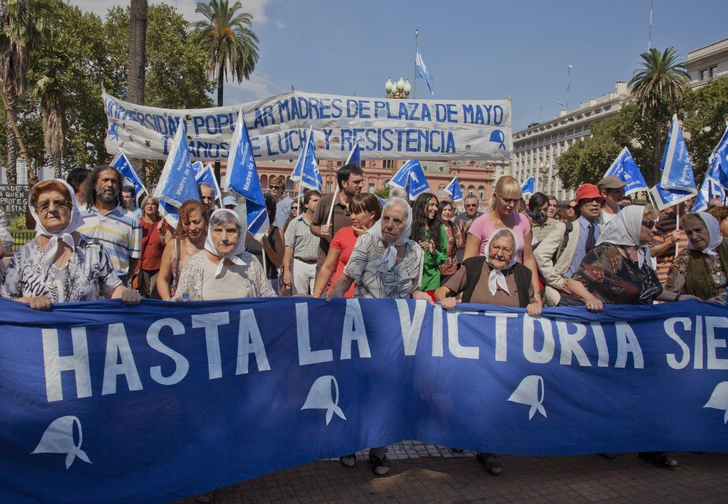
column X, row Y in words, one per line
column 425, row 473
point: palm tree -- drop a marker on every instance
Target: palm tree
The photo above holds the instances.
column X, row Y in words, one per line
column 53, row 119
column 658, row 88
column 21, row 29
column 231, row 47
column 137, row 51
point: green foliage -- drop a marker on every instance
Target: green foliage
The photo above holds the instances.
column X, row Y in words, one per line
column 382, row 193
column 17, row 223
column 704, row 115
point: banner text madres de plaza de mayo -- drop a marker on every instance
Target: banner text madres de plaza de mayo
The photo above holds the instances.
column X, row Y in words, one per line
column 151, row 403
column 279, row 125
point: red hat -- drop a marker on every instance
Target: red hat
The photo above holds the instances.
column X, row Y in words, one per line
column 587, row 191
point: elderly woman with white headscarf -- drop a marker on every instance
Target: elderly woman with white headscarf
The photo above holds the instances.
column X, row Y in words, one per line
column 60, row 265
column 223, row 270
column 385, row 263
column 701, row 269
column 495, row 278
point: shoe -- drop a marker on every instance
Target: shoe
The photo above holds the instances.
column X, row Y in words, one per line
column 348, row 460
column 660, row 459
column 490, row 462
column 609, row 456
column 380, row 466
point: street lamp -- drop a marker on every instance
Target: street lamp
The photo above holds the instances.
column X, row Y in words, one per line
column 398, row 90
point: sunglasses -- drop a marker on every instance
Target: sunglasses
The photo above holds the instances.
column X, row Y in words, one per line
column 589, row 201
column 471, row 206
column 276, row 187
column 573, row 207
column 294, row 208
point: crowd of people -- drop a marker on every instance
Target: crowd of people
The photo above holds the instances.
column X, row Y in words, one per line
column 93, row 242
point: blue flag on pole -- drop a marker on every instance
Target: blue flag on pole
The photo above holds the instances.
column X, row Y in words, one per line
column 711, row 186
column 401, row 178
column 625, row 168
column 177, row 182
column 122, row 163
column 355, row 154
column 242, row 177
column 423, row 73
column 528, row 187
column 307, row 167
column 411, row 178
column 206, row 174
column 720, row 157
column 665, row 198
column 453, row 190
column 676, row 168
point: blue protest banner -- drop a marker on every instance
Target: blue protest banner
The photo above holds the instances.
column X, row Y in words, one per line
column 628, row 172
column 242, row 177
column 122, row 163
column 105, row 403
column 453, row 190
column 676, row 168
column 528, row 187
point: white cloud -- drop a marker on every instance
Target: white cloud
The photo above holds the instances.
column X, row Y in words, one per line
column 280, row 25
column 185, row 7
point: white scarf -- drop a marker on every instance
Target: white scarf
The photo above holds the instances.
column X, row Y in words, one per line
column 713, row 227
column 234, row 256
column 496, row 278
column 65, row 235
column 624, row 229
column 389, row 258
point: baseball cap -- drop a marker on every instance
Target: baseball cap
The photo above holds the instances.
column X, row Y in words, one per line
column 229, row 200
column 611, row 182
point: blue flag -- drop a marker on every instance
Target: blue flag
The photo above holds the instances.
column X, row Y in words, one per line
column 720, row 157
column 528, row 187
column 355, row 154
column 207, row 174
column 711, row 187
column 242, row 177
column 401, row 178
column 453, row 190
column 122, row 163
column 411, row 178
column 177, row 182
column 306, row 167
column 665, row 198
column 676, row 168
column 382, row 201
column 625, row 168
column 423, row 73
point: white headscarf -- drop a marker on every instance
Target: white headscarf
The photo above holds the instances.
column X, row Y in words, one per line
column 713, row 227
column 239, row 249
column 390, row 253
column 625, row 230
column 75, row 221
column 496, row 278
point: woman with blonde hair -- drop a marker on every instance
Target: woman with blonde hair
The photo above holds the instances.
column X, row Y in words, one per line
column 502, row 215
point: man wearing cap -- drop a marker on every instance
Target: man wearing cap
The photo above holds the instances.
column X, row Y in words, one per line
column 229, row 202
column 560, row 254
column 612, row 190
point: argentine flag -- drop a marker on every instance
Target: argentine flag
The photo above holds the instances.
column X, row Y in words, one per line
column 177, row 182
column 122, row 163
column 528, row 187
column 453, row 190
column 423, row 73
column 676, row 168
column 242, row 178
column 625, row 168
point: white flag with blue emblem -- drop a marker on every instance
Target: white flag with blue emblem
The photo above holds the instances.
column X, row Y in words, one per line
column 207, row 174
column 306, row 170
column 423, row 73
column 177, row 181
column 453, row 190
column 676, row 168
column 122, row 163
column 242, row 178
column 355, row 154
column 528, row 187
column 625, row 168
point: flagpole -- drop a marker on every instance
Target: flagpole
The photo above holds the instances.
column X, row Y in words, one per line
column 414, row 88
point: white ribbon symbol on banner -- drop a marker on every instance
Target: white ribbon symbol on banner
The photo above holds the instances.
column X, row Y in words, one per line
column 719, row 399
column 528, row 392
column 58, row 438
column 319, row 397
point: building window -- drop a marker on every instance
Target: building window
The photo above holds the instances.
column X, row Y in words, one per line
column 440, row 191
column 328, row 187
column 363, row 164
column 371, row 187
column 481, row 193
column 708, row 73
column 339, row 163
column 471, row 190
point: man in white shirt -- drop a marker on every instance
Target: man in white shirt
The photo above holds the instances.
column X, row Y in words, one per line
column 612, row 190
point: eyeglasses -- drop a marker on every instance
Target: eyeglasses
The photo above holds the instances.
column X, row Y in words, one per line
column 649, row 224
column 276, row 187
column 589, row 201
column 46, row 205
column 573, row 207
column 294, row 209
column 471, row 206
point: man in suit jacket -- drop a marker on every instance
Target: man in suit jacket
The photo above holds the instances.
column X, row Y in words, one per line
column 560, row 254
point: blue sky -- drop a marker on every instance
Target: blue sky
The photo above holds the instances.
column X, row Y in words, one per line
column 474, row 49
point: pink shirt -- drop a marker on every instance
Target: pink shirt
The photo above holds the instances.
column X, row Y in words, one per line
column 482, row 228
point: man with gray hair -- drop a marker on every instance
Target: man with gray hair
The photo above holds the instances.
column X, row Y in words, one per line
column 465, row 220
column 207, row 196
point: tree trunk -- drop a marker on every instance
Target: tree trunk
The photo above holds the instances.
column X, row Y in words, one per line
column 11, row 171
column 137, row 64
column 220, row 83
column 658, row 150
